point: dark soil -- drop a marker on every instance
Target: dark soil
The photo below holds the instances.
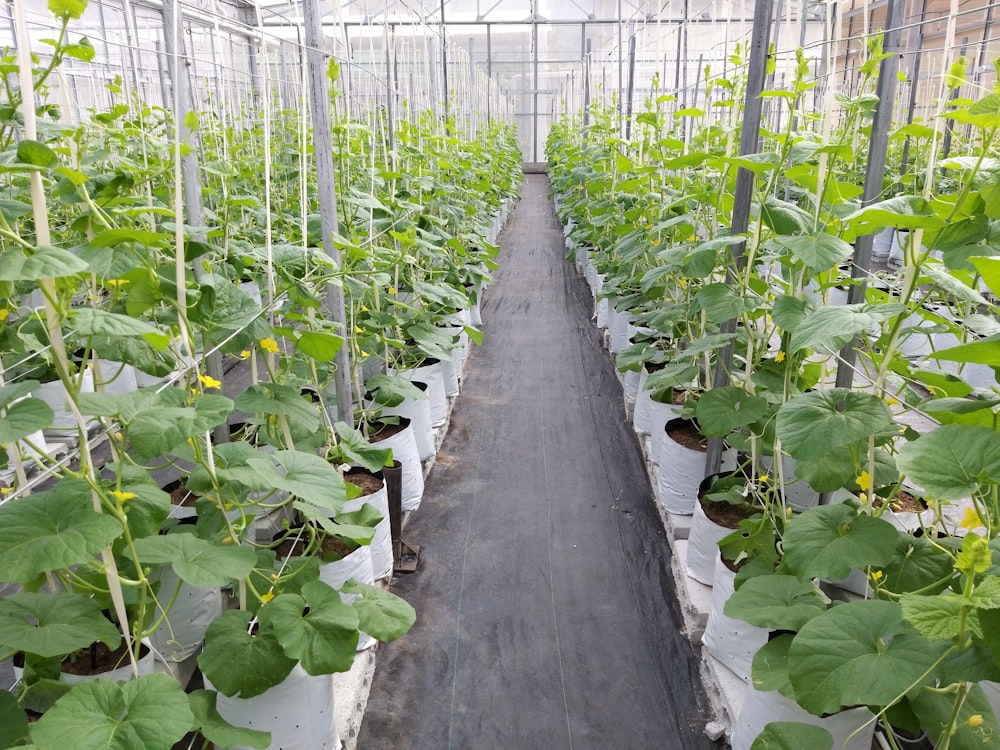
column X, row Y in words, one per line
column 99, row 658
column 180, row 496
column 369, row 483
column 726, row 514
column 293, row 547
column 685, row 434
column 384, row 431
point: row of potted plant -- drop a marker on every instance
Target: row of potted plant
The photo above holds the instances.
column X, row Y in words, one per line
column 188, row 491
column 747, row 346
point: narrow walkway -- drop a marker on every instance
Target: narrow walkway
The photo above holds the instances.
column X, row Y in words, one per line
column 546, row 613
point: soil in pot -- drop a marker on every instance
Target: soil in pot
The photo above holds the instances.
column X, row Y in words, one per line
column 712, row 522
column 99, row 659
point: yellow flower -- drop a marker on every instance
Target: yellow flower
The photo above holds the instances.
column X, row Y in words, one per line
column 122, row 497
column 779, row 357
column 269, row 345
column 364, row 308
column 876, row 576
column 4, row 313
column 359, row 329
column 6, row 490
column 245, row 354
column 765, row 477
column 392, row 290
column 209, row 382
column 974, row 721
column 971, row 520
column 115, row 283
column 265, row 598
column 891, row 401
column 864, row 481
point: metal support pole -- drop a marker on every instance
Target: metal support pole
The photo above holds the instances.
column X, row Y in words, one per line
column 489, row 74
column 749, row 139
column 879, row 145
column 390, row 91
column 631, row 80
column 586, row 90
column 534, row 89
column 333, row 300
column 444, row 61
column 173, row 41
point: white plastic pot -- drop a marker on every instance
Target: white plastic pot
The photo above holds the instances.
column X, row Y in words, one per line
column 146, row 665
column 381, row 544
column 703, row 546
column 299, row 713
column 357, row 566
column 418, row 411
column 660, row 412
column 404, row 450
column 115, row 377
column 681, row 471
column 54, row 394
column 641, row 410
column 620, row 328
column 798, row 493
column 760, row 708
column 194, row 608
column 732, row 642
column 432, row 373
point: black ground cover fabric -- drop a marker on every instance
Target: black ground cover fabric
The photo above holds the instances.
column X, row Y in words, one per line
column 546, row 611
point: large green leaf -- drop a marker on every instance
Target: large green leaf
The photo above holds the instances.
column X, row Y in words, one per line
column 918, row 565
column 161, row 429
column 722, row 410
column 859, row 653
column 952, row 461
column 228, row 316
column 322, row 347
column 23, row 418
column 358, row 450
column 89, row 321
column 217, row 730
column 786, row 218
column 67, row 8
column 985, row 351
column 305, row 475
column 830, row 328
column 776, row 602
column 197, row 561
column 50, row 624
column 381, row 613
column 818, row 253
column 936, row 617
column 392, row 390
column 46, row 262
column 36, row 153
column 989, row 268
column 150, row 712
column 13, row 721
column 316, row 628
column 811, row 424
column 770, row 666
column 935, row 710
column 50, row 530
column 275, row 398
column 792, row 735
column 827, row 541
column 720, row 302
column 240, row 662
column 901, row 212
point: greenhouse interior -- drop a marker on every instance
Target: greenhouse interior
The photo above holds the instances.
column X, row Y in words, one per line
column 419, row 375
